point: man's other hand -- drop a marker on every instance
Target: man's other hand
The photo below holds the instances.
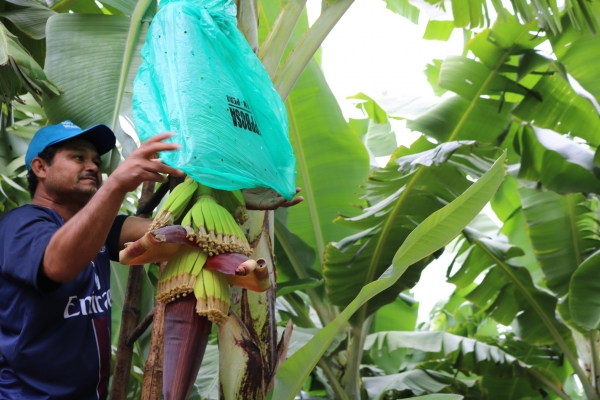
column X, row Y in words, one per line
column 267, row 199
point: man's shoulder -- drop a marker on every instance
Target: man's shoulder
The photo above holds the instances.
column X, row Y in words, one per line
column 27, row 213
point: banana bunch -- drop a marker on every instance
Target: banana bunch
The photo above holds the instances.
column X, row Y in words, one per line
column 180, row 274
column 184, row 274
column 175, row 204
column 212, row 294
column 214, row 228
column 212, row 223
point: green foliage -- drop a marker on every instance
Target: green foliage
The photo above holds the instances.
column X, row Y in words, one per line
column 433, row 233
column 401, row 195
column 525, row 291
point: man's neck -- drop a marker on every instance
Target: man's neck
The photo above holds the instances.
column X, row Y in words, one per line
column 65, row 210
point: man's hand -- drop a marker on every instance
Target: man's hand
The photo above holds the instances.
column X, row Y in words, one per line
column 140, row 166
column 267, row 199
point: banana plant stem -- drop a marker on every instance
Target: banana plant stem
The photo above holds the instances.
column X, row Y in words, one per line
column 339, row 392
column 302, row 316
column 595, row 361
column 274, row 45
column 550, row 385
column 329, row 374
column 289, row 72
column 357, row 344
column 135, row 25
column 247, row 18
column 317, row 304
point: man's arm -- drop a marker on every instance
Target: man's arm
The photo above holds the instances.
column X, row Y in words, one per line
column 77, row 242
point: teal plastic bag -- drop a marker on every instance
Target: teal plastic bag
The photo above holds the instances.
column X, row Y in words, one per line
column 201, row 80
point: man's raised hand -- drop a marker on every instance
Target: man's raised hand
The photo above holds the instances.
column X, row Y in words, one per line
column 141, row 166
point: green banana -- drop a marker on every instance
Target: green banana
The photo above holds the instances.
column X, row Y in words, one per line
column 175, row 204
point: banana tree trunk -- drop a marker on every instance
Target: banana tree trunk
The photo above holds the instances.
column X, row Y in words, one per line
column 248, row 350
column 153, row 374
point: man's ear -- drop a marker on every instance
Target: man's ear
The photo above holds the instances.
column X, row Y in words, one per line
column 38, row 167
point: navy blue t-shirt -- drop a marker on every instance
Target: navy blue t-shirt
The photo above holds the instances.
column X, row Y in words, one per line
column 54, row 338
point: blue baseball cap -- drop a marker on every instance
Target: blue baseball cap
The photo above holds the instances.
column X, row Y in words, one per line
column 100, row 135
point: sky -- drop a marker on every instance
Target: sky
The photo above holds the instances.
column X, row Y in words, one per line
column 374, row 51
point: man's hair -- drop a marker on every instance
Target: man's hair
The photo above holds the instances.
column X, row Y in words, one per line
column 48, row 156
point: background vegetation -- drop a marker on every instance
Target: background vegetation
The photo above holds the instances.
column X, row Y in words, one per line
column 524, row 318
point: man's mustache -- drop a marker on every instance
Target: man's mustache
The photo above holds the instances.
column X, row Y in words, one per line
column 90, row 176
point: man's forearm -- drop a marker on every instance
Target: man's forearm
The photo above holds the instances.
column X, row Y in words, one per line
column 77, row 243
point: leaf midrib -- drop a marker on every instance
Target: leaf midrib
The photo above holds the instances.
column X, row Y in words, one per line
column 387, row 227
column 135, row 24
column 310, row 193
column 493, row 73
column 574, row 232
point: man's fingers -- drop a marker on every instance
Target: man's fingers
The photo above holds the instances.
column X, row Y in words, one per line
column 293, row 202
column 148, row 150
column 156, row 165
column 160, row 137
column 165, row 169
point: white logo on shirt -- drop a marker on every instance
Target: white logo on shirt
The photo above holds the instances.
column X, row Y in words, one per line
column 87, row 305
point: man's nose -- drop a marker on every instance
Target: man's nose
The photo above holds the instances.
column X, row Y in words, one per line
column 92, row 167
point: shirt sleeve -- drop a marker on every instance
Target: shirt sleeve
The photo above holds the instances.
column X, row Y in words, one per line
column 112, row 242
column 23, row 240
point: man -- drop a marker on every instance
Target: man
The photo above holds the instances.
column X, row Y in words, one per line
column 54, row 262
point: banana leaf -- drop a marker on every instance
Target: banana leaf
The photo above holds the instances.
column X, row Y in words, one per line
column 20, row 71
column 400, row 196
column 562, row 165
column 507, row 37
column 108, row 49
column 584, row 303
column 404, row 8
column 559, row 230
column 459, row 119
column 400, row 315
column 433, row 233
column 507, row 292
column 416, row 382
column 578, row 51
column 29, row 16
column 438, row 30
column 560, row 109
column 465, row 354
column 507, row 208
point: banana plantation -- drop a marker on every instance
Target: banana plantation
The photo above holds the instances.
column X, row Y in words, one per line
column 515, row 124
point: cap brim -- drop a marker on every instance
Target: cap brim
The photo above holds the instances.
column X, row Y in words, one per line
column 101, row 136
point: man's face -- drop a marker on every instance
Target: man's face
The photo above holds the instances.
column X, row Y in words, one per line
column 74, row 171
